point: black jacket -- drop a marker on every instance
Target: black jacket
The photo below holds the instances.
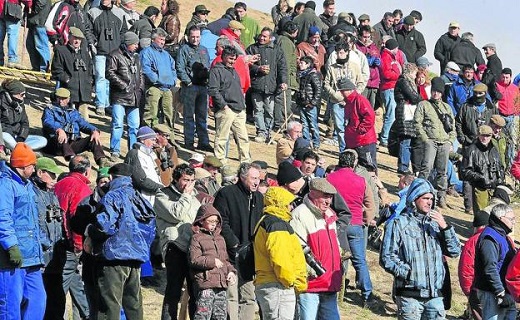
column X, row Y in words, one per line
column 13, row 117
column 411, row 43
column 342, row 25
column 126, row 77
column 240, row 210
column 310, row 90
column 468, row 120
column 108, row 27
column 74, row 70
column 143, row 28
column 274, row 57
column 40, row 11
column 139, row 179
column 465, row 53
column 405, row 92
column 495, row 65
column 443, row 46
column 225, row 89
column 481, row 166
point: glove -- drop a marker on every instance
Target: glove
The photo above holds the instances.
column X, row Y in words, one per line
column 505, row 300
column 15, row 256
column 377, row 62
column 93, row 49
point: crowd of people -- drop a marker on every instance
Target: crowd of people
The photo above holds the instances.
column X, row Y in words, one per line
column 453, row 134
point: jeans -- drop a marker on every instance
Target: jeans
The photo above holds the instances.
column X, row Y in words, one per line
column 264, row 112
column 132, row 119
column 423, row 309
column 405, row 154
column 38, row 48
column 275, row 301
column 356, row 240
column 195, row 113
column 22, row 292
column 436, row 155
column 309, row 119
column 339, row 124
column 388, row 97
column 314, row 306
column 490, row 308
column 11, row 29
column 35, row 142
column 510, row 130
column 101, row 82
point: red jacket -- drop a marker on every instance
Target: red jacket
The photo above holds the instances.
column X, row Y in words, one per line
column 515, row 167
column 513, row 277
column 506, row 105
column 360, row 120
column 70, row 191
column 467, row 263
column 352, row 192
column 390, row 69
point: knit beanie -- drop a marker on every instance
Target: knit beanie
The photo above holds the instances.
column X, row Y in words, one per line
column 13, row 86
column 145, row 133
column 131, row 38
column 313, row 30
column 480, row 218
column 391, row 44
column 287, row 173
column 22, row 156
column 310, row 4
column 438, row 85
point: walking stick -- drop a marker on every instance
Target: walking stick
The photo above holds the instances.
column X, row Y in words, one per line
column 24, row 40
column 284, row 125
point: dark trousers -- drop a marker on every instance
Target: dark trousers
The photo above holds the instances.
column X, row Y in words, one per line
column 367, row 156
column 177, row 270
column 71, row 148
column 119, row 287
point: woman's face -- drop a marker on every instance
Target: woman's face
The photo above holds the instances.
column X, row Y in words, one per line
column 421, row 79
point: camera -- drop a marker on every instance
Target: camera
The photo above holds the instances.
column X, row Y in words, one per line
column 53, row 212
column 80, row 64
column 165, row 161
column 69, row 130
column 312, row 262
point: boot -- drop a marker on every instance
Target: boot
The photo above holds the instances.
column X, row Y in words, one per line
column 441, row 202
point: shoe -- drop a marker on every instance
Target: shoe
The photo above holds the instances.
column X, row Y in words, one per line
column 206, row 147
column 100, row 111
column 368, row 303
column 16, row 65
column 260, row 138
column 452, row 192
column 189, row 147
column 401, row 172
column 114, row 157
column 383, row 144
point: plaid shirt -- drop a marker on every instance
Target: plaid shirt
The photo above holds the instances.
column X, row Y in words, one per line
column 413, row 249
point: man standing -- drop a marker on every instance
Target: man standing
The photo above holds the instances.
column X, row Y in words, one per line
column 241, row 206
column 229, row 106
column 167, row 158
column 126, row 88
column 252, row 28
column 109, row 27
column 121, row 237
column 37, row 41
column 10, row 17
column 418, row 273
column 328, row 17
column 493, row 61
column 268, row 76
column 411, row 41
column 199, row 17
column 494, row 252
column 21, row 256
column 461, row 89
column 131, row 16
column 212, row 165
column 385, row 27
column 306, row 20
column 372, row 53
column 446, row 43
column 465, row 52
column 193, row 71
column 507, row 108
column 160, row 77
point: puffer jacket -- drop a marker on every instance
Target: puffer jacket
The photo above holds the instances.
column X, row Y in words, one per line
column 55, row 117
column 481, row 166
column 125, row 224
column 70, row 14
column 278, row 254
column 359, row 121
column 405, row 92
column 108, row 27
column 411, row 43
column 390, row 69
column 428, row 124
column 176, row 212
column 336, row 71
column 373, row 56
column 19, row 214
column 468, row 120
column 13, row 117
column 225, row 88
column 205, row 247
column 187, row 56
column 274, row 57
column 158, row 67
column 126, row 79
column 467, row 263
column 310, row 89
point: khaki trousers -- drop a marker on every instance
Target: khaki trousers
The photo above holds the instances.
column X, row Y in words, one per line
column 226, row 121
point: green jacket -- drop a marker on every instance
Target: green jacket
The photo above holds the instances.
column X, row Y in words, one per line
column 250, row 32
column 429, row 125
column 501, row 145
column 289, row 50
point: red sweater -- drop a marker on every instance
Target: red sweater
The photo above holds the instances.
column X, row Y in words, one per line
column 467, row 263
column 506, row 105
column 360, row 121
column 352, row 192
column 70, row 191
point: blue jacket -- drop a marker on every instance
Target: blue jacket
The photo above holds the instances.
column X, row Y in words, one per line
column 55, row 117
column 18, row 219
column 125, row 225
column 158, row 67
column 186, row 57
column 459, row 93
column 209, row 41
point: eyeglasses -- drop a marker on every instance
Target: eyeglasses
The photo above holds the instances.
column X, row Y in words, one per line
column 212, row 220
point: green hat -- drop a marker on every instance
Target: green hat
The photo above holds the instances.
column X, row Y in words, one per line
column 102, row 173
column 76, row 32
column 62, row 93
column 47, row 164
column 213, row 161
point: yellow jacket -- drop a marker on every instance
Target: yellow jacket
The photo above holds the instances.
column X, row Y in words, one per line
column 278, row 253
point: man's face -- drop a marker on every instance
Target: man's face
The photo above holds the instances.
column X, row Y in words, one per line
column 48, row 178
column 295, row 186
column 396, row 19
column 63, row 102
column 509, row 219
column 106, row 3
column 252, row 180
column 315, row 40
column 366, row 37
column 489, row 51
column 162, row 139
column 308, row 166
column 321, row 200
column 102, row 182
column 303, row 65
column 454, row 31
column 194, row 37
column 408, row 27
column 264, row 37
column 496, row 129
column 329, row 10
column 485, row 139
column 238, row 32
column 424, row 203
column 229, row 60
column 436, row 95
column 505, row 78
column 75, row 42
column 211, row 169
column 184, row 181
column 149, row 142
column 241, row 12
column 388, row 22
column 159, row 41
column 295, row 132
column 203, row 15
column 300, row 10
column 342, row 54
column 468, row 74
column 132, row 47
column 130, row 5
column 364, row 22
column 27, row 171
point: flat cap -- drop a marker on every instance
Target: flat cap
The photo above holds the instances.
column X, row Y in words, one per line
column 345, row 84
column 489, row 45
column 485, row 130
column 498, row 120
column 322, row 185
column 453, row 66
column 480, row 87
column 62, row 93
column 409, row 20
column 363, row 17
column 76, row 32
column 213, row 161
column 343, row 15
column 228, row 171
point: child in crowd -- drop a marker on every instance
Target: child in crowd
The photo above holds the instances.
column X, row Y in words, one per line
column 210, row 267
column 309, row 99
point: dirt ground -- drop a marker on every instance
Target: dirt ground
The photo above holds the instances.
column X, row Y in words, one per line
column 350, row 308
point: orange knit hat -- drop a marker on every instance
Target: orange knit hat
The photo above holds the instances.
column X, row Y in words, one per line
column 22, row 156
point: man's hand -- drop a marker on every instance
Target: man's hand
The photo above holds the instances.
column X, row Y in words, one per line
column 218, row 263
column 15, row 256
column 505, row 300
column 189, row 188
column 283, row 86
column 94, row 137
column 62, row 136
column 231, row 278
column 437, row 217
